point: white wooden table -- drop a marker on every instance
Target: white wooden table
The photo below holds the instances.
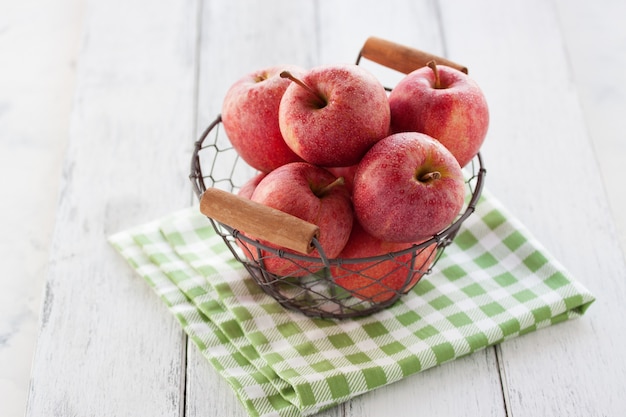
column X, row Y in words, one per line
column 151, row 75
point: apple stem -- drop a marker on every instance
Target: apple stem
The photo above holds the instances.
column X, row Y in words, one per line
column 289, row 75
column 326, row 189
column 433, row 66
column 430, row 176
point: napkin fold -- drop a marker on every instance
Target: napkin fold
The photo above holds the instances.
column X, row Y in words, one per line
column 493, row 283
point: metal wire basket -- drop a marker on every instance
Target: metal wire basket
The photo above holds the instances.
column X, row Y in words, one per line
column 316, row 285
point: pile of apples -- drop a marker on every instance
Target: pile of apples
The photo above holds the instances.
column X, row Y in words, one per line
column 376, row 171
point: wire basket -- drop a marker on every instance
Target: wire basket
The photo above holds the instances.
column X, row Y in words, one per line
column 317, row 286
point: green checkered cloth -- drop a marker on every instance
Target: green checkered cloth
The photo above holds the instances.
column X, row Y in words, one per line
column 495, row 282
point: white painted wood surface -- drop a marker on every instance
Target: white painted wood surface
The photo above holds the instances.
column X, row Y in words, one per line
column 150, row 75
column 38, row 46
column 126, row 161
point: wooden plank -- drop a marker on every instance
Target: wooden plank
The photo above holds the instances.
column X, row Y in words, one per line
column 541, row 165
column 105, row 346
column 35, row 102
column 593, row 36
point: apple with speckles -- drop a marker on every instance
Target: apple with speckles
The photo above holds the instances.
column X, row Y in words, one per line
column 250, row 118
column 313, row 194
column 380, row 279
column 444, row 103
column 407, row 188
column 332, row 114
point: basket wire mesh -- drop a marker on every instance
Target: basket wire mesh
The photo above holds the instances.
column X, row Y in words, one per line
column 316, row 286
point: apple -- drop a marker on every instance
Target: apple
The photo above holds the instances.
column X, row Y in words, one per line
column 380, row 280
column 313, row 194
column 250, row 118
column 444, row 103
column 408, row 187
column 333, row 114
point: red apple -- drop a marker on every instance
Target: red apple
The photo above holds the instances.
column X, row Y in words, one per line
column 313, row 194
column 444, row 103
column 333, row 114
column 250, row 118
column 407, row 188
column 380, row 280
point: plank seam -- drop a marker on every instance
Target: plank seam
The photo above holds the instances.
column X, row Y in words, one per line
column 503, row 381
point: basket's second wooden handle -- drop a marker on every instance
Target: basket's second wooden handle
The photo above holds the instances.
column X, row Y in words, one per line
column 259, row 221
column 401, row 58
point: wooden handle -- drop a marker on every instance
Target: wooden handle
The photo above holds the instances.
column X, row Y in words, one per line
column 259, row 221
column 400, row 57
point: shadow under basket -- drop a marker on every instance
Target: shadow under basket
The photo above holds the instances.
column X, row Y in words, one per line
column 316, row 286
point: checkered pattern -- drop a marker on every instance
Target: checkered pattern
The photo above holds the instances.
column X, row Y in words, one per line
column 493, row 283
